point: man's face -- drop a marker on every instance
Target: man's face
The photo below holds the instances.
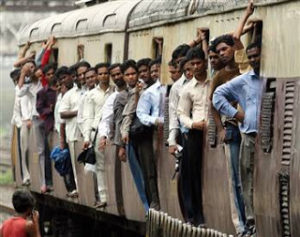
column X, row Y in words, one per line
column 90, row 78
column 117, row 76
column 49, row 74
column 144, row 73
column 175, row 73
column 30, row 68
column 66, row 80
column 226, row 52
column 215, row 61
column 103, row 75
column 38, row 74
column 254, row 58
column 198, row 66
column 131, row 77
column 155, row 71
column 80, row 75
column 188, row 70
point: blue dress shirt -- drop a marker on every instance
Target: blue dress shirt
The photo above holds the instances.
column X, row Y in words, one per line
column 151, row 104
column 246, row 89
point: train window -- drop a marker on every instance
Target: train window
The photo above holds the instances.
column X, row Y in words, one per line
column 108, row 53
column 157, row 46
column 80, row 52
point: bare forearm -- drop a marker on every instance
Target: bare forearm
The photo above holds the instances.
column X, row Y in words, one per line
column 68, row 114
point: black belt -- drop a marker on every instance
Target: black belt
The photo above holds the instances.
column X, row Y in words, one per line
column 252, row 134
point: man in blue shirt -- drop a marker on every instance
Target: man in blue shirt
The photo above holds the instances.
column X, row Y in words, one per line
column 246, row 89
column 150, row 112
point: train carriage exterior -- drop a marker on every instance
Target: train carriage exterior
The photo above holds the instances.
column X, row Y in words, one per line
column 118, row 30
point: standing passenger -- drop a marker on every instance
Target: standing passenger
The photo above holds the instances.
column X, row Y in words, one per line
column 95, row 102
column 193, row 113
column 144, row 71
column 150, row 111
column 246, row 89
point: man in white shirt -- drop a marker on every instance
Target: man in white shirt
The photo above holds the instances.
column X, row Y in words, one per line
column 28, row 86
column 92, row 115
column 69, row 112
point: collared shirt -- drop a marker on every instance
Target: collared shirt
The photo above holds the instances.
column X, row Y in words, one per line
column 45, row 103
column 81, row 108
column 193, row 103
column 246, row 89
column 30, row 91
column 151, row 104
column 118, row 107
column 105, row 124
column 93, row 109
column 129, row 112
column 70, row 102
column 58, row 120
column 175, row 93
column 16, row 118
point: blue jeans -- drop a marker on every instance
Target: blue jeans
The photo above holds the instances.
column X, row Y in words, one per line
column 137, row 175
column 232, row 151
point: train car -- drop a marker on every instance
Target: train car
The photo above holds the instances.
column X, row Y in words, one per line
column 117, row 30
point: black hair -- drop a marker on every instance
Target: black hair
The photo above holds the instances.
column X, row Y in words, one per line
column 90, row 69
column 143, row 62
column 155, row 61
column 63, row 70
column 111, row 67
column 100, row 65
column 182, row 63
column 127, row 64
column 82, row 64
column 72, row 69
column 195, row 53
column 22, row 201
column 53, row 81
column 15, row 74
column 254, row 45
column 212, row 48
column 227, row 39
column 49, row 66
column 180, row 51
column 172, row 63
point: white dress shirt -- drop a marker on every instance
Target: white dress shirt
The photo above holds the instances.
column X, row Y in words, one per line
column 175, row 93
column 105, row 124
column 16, row 118
column 93, row 104
column 70, row 102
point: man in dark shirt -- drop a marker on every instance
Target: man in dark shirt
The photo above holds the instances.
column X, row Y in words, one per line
column 45, row 103
column 228, row 130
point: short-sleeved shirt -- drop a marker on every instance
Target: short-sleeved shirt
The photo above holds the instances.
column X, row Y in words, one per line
column 14, row 227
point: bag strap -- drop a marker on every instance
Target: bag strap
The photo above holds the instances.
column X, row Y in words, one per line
column 95, row 137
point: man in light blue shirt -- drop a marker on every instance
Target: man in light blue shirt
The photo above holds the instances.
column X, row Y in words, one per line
column 150, row 111
column 246, row 89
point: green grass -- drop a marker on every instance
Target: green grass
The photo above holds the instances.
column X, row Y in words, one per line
column 6, row 177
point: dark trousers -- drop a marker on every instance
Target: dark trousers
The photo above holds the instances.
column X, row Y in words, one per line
column 191, row 176
column 143, row 145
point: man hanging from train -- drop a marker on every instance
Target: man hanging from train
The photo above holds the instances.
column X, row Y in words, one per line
column 144, row 72
column 150, row 112
column 227, row 46
column 92, row 117
column 68, row 110
column 132, row 132
column 246, row 89
column 193, row 113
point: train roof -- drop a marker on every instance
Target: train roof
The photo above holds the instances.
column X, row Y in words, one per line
column 117, row 16
column 107, row 17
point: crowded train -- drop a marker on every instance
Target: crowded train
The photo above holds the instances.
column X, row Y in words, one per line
column 192, row 113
